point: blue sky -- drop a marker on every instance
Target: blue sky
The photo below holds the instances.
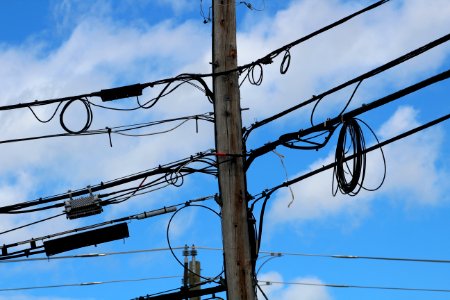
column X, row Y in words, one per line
column 55, row 48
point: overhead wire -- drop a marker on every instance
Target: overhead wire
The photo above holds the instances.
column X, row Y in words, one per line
column 265, row 195
column 32, row 223
column 160, row 170
column 34, row 249
column 130, row 90
column 268, row 59
column 123, row 129
column 371, row 287
column 89, row 283
column 188, row 205
column 358, row 79
column 331, row 124
column 268, row 253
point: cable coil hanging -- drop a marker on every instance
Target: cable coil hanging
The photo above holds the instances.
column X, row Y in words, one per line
column 350, row 142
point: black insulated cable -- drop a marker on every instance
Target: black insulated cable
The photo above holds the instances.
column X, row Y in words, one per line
column 89, row 116
column 351, row 133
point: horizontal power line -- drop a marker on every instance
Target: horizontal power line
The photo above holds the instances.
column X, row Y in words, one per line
column 134, row 89
column 179, row 166
column 371, row 287
column 330, row 124
column 84, row 284
column 124, row 130
column 34, row 249
column 269, row 253
column 357, row 79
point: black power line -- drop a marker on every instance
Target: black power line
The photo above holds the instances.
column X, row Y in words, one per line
column 357, row 79
column 135, row 90
column 330, row 124
column 268, row 193
column 34, row 248
column 123, row 129
column 179, row 168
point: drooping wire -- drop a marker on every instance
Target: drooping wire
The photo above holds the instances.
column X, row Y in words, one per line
column 206, row 19
column 169, row 244
column 50, row 118
column 122, row 129
column 140, row 216
column 357, row 79
column 331, row 123
column 342, row 111
column 268, row 59
column 197, row 77
column 266, row 194
column 160, row 170
column 382, row 156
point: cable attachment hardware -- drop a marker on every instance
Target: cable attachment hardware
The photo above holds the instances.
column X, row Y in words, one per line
column 83, row 206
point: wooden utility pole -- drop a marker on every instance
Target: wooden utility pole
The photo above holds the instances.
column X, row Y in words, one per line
column 228, row 131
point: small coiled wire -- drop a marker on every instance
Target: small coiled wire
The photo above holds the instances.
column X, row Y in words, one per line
column 89, row 116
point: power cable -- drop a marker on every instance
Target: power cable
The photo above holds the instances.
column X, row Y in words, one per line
column 357, row 79
column 268, row 193
column 170, row 245
column 89, row 255
column 330, row 124
column 162, row 169
column 123, row 129
column 32, row 223
column 83, row 284
column 136, row 89
column 405, row 289
column 268, row 254
column 268, row 59
column 140, row 216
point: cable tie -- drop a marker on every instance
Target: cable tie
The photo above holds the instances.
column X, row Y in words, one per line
column 109, row 135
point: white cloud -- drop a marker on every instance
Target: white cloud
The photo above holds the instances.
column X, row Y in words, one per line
column 295, row 291
column 178, row 6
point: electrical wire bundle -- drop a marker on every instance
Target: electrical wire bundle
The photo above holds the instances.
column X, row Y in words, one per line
column 171, row 174
column 350, row 141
